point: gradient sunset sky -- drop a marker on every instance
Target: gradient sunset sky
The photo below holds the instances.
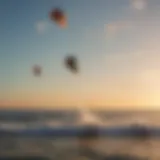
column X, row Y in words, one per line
column 117, row 43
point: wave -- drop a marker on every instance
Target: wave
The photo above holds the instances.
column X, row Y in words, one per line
column 59, row 123
column 40, row 122
column 71, row 131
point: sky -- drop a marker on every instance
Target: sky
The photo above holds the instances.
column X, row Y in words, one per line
column 116, row 43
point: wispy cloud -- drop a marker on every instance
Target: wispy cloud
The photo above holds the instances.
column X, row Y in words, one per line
column 138, row 72
column 137, row 61
column 138, row 4
column 41, row 26
column 117, row 26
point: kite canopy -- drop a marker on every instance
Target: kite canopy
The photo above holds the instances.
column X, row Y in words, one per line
column 37, row 70
column 72, row 64
column 58, row 16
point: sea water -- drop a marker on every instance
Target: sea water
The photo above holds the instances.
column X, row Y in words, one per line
column 69, row 148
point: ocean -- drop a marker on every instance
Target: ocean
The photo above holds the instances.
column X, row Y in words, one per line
column 68, row 147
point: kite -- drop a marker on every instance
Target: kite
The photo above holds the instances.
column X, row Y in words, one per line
column 59, row 17
column 37, row 70
column 72, row 64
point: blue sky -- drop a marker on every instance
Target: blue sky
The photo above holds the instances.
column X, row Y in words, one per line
column 105, row 35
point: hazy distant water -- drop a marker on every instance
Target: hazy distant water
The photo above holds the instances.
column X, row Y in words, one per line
column 69, row 148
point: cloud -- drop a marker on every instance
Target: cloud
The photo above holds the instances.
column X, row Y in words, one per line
column 133, row 62
column 135, row 74
column 112, row 28
column 117, row 26
column 41, row 26
column 138, row 4
column 138, row 72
